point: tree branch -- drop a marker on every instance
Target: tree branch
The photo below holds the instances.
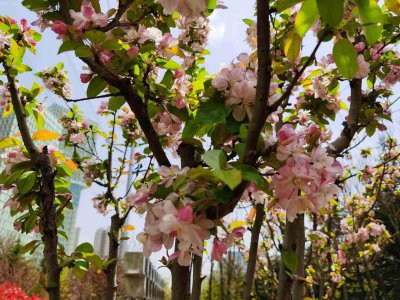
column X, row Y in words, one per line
column 352, row 126
column 91, row 98
column 124, row 84
column 122, row 8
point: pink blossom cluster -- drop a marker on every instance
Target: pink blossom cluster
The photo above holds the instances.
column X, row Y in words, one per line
column 182, row 87
column 319, row 90
column 75, row 130
column 393, row 76
column 100, row 204
column 167, row 124
column 87, row 17
column 307, row 179
column 56, row 80
column 239, row 87
column 194, row 32
column 184, row 7
column 173, row 218
column 220, row 247
column 251, row 36
column 12, row 158
column 165, row 222
column 5, row 98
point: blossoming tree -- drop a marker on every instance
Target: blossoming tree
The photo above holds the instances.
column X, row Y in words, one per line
column 257, row 131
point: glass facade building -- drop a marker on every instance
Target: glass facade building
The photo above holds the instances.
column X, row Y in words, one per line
column 9, row 127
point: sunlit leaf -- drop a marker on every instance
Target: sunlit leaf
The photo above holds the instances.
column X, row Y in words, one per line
column 306, row 17
column 372, row 19
column 292, row 46
column 331, row 12
column 10, row 142
column 345, row 56
column 128, row 228
column 45, row 135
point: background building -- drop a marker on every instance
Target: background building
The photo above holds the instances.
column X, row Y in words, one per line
column 8, row 127
column 141, row 279
column 101, row 242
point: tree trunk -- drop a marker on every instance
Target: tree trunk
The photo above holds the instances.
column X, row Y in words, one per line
column 180, row 282
column 298, row 285
column 290, row 243
column 48, row 222
column 196, row 286
column 181, row 274
column 111, row 271
column 48, row 214
column 251, row 265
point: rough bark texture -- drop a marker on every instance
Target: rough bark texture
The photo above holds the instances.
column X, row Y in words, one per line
column 180, row 282
column 298, row 285
column 352, row 125
column 197, row 280
column 289, row 244
column 48, row 214
column 111, row 275
column 251, row 264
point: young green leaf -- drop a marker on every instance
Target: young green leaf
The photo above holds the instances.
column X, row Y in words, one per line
column 372, row 19
column 292, row 46
column 26, row 181
column 10, row 142
column 345, row 56
column 331, row 12
column 216, row 159
column 231, row 178
column 306, row 17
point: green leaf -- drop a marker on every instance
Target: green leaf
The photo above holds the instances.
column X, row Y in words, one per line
column 345, row 56
column 85, row 248
column 112, row 44
column 290, row 260
column 372, row 19
column 95, row 36
column 248, row 22
column 331, row 12
column 306, row 17
column 28, row 247
column 216, row 159
column 96, row 86
column 63, row 171
column 168, row 79
column 94, row 260
column 231, row 178
column 38, row 118
column 10, row 142
column 212, row 4
column 292, row 46
column 83, row 51
column 69, row 45
column 208, row 113
column 251, row 174
column 116, row 103
column 370, row 129
column 36, row 4
column 285, row 4
column 26, row 181
column 171, row 65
